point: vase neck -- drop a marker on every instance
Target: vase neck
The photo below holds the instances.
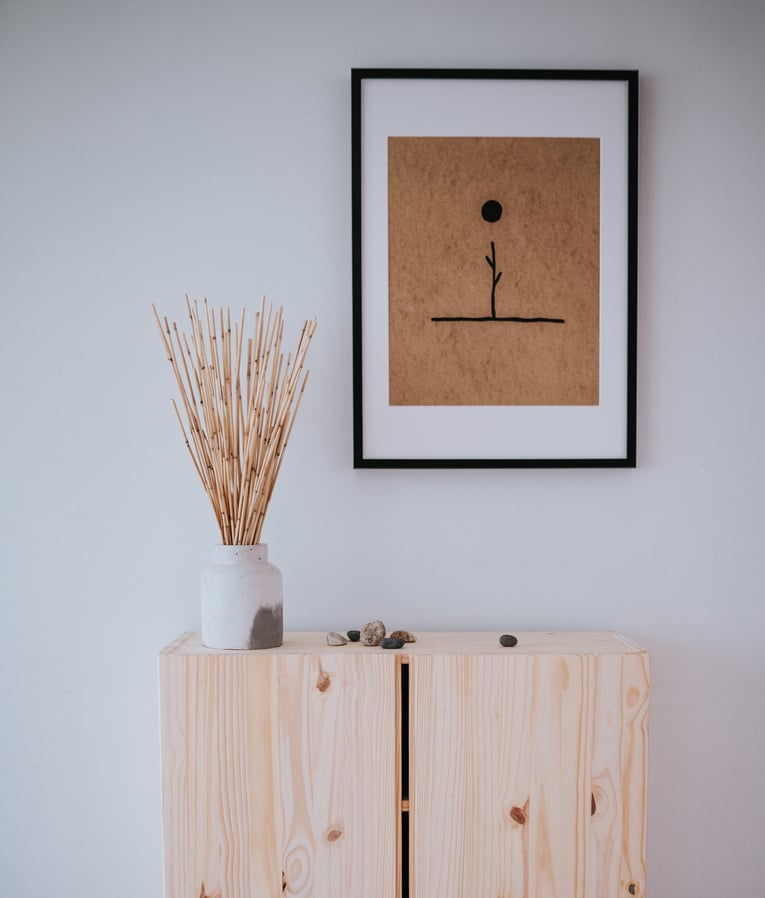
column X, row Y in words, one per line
column 232, row 554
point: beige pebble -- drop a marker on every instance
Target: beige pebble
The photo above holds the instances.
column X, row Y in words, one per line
column 403, row 634
column 372, row 633
column 336, row 639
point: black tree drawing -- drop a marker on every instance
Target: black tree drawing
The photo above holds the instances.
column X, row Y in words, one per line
column 491, row 211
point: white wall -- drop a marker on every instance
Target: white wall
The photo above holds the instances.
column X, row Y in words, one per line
column 149, row 149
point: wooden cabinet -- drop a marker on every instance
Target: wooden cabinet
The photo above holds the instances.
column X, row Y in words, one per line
column 453, row 768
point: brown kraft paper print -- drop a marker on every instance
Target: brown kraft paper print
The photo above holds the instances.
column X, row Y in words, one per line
column 494, row 270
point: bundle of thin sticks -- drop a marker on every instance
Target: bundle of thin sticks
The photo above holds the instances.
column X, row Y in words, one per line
column 237, row 431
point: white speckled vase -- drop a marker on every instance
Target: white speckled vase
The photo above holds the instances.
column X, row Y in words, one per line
column 241, row 599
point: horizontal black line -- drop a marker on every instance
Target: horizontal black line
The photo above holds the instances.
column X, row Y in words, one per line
column 514, row 318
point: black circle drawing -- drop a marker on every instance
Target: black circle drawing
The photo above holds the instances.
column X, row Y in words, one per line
column 491, row 211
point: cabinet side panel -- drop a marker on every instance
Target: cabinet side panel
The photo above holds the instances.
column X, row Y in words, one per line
column 634, row 754
column 339, row 751
column 219, row 777
column 607, row 801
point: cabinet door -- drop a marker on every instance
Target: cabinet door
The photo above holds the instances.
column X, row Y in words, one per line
column 527, row 776
column 280, row 775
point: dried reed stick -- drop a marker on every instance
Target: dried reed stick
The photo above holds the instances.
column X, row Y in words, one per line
column 237, row 427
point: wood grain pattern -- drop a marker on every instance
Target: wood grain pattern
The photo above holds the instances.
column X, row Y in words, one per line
column 280, row 774
column 447, row 642
column 220, row 788
column 634, row 769
column 527, row 768
column 465, row 840
column 340, row 745
column 606, row 784
column 528, row 775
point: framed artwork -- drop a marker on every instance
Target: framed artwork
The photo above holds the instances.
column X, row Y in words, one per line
column 494, row 267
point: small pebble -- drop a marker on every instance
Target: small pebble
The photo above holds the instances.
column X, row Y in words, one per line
column 508, row 641
column 336, row 639
column 354, row 635
column 403, row 634
column 390, row 643
column 372, row 633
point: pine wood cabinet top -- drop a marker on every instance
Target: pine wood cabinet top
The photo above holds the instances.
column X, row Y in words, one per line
column 429, row 642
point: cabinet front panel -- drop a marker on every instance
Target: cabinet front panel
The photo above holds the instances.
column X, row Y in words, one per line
column 527, row 776
column 339, row 727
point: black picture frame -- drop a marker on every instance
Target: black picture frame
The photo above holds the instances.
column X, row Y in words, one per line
column 565, row 103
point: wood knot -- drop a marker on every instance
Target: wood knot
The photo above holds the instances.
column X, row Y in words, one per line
column 333, row 835
column 284, row 881
column 593, row 805
column 518, row 815
column 297, row 864
column 632, row 888
column 203, row 893
column 323, row 681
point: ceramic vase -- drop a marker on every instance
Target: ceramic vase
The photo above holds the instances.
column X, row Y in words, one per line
column 241, row 599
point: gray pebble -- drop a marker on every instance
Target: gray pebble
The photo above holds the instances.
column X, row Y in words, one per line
column 336, row 639
column 372, row 633
column 354, row 635
column 508, row 641
column 403, row 634
column 391, row 643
